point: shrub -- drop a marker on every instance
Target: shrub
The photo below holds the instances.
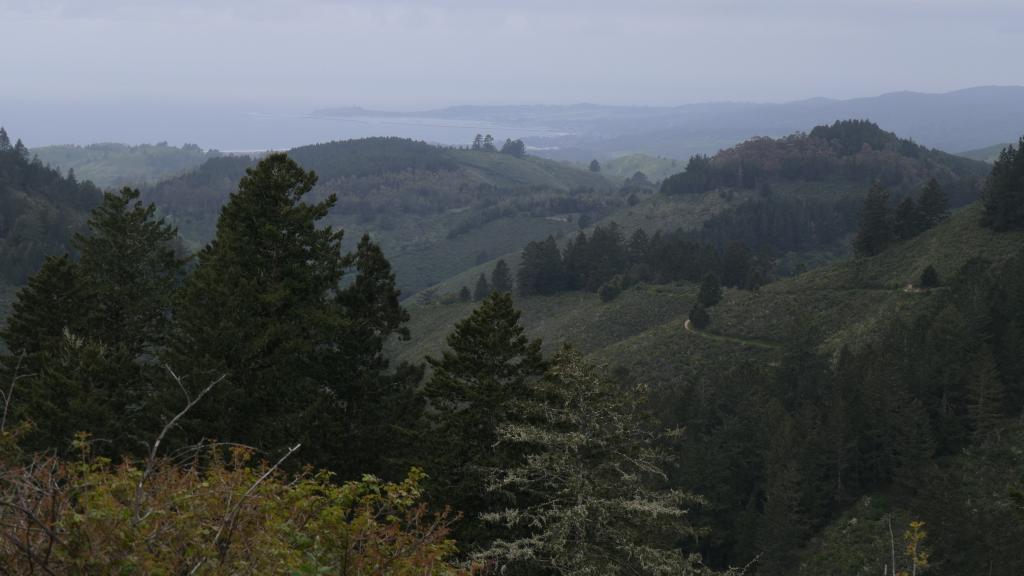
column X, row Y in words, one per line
column 699, row 318
column 226, row 516
column 611, row 289
column 929, row 278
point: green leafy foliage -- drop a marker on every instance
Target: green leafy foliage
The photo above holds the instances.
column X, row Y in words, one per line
column 234, row 515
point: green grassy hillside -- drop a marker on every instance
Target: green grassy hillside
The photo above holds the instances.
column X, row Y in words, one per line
column 111, row 165
column 643, row 330
column 987, row 154
column 654, row 167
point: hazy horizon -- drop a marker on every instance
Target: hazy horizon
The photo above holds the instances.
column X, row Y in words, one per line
column 154, row 70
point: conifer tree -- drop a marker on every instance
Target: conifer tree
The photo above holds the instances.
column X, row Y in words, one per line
column 933, row 204
column 129, row 261
column 68, row 382
column 501, row 278
column 586, row 496
column 909, row 220
column 736, row 265
column 264, row 306
column 486, row 368
column 482, row 288
column 929, row 277
column 1003, row 195
column 53, row 303
column 595, row 166
column 985, row 397
column 710, row 290
column 876, row 228
column 5, row 141
column 699, row 318
column 465, row 295
column 541, row 270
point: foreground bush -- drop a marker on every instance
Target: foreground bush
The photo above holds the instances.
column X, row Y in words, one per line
column 216, row 515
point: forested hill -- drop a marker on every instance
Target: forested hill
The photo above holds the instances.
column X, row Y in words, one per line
column 856, row 151
column 435, row 211
column 40, row 210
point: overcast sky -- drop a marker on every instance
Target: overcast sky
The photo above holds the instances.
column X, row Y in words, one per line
column 411, row 54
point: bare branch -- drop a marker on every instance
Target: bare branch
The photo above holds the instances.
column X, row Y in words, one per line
column 232, row 516
column 151, row 460
column 10, row 392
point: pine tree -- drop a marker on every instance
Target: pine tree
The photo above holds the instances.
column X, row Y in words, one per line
column 478, row 142
column 465, row 295
column 933, row 204
column 68, row 382
column 485, row 370
column 1003, row 195
column 482, row 288
column 876, row 228
column 929, row 277
column 595, row 166
column 541, row 270
column 488, row 144
column 265, row 308
column 54, row 302
column 501, row 278
column 586, row 495
column 985, row 397
column 909, row 220
column 5, row 141
column 699, row 318
column 370, row 314
column 710, row 290
column 128, row 259
column 736, row 265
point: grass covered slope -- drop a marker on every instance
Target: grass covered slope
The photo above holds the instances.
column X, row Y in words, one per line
column 112, row 165
column 643, row 329
column 987, row 154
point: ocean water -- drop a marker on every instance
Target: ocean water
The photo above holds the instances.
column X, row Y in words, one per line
column 228, row 128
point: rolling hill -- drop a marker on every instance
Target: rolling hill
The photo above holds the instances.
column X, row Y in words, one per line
column 952, row 121
column 111, row 165
column 987, row 154
column 435, row 211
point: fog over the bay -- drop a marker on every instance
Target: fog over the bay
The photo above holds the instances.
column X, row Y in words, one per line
column 161, row 69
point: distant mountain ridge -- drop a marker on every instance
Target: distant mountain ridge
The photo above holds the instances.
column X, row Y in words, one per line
column 953, row 121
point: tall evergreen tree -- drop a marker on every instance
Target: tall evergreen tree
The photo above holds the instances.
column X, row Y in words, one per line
column 1003, row 195
column 128, row 258
column 482, row 288
column 586, row 496
column 909, row 221
column 985, row 397
column 53, row 303
column 710, row 290
column 501, row 277
column 736, row 265
column 595, row 166
column 485, row 370
column 876, row 227
column 541, row 270
column 933, row 203
column 265, row 308
column 66, row 381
